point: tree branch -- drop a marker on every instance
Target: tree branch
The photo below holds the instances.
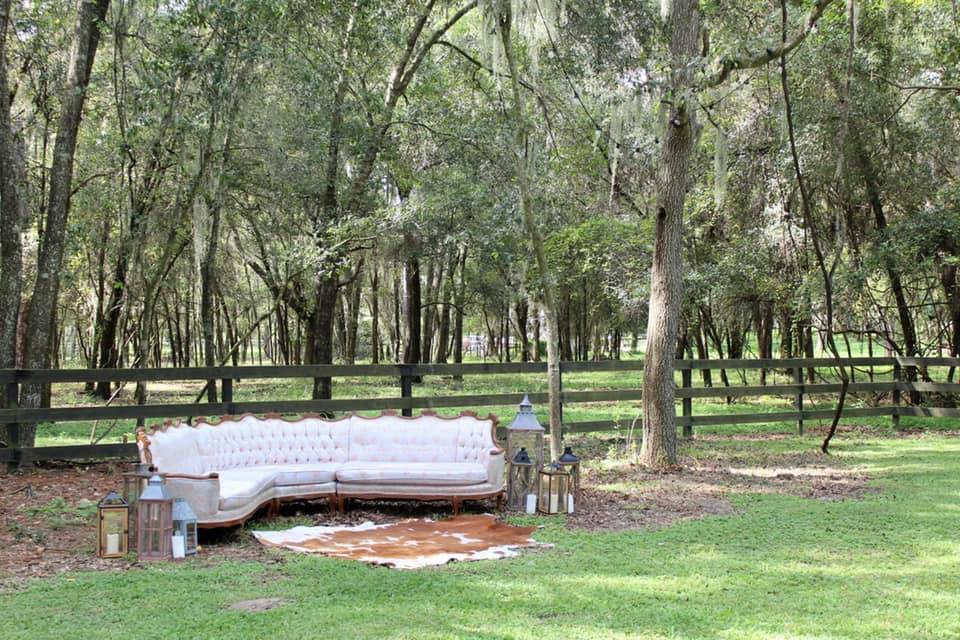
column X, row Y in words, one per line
column 770, row 53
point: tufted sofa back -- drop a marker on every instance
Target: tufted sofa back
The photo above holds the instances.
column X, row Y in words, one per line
column 250, row 441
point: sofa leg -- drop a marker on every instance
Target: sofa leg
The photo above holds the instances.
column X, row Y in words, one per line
column 500, row 502
column 341, row 504
column 456, row 506
column 333, row 505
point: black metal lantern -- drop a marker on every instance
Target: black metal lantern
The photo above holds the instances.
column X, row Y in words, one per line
column 570, row 463
column 184, row 526
column 554, row 490
column 521, row 487
column 112, row 526
column 526, row 432
column 155, row 521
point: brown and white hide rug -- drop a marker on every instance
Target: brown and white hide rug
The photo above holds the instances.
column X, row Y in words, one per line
column 409, row 544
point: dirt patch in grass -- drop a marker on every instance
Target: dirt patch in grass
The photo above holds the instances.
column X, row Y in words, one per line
column 48, row 525
column 623, row 495
column 257, row 605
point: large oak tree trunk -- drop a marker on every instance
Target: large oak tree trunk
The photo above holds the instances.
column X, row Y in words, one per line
column 659, row 448
column 412, row 309
column 13, row 214
column 322, row 329
column 90, row 13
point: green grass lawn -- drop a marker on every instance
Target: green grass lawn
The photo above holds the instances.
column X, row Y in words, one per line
column 886, row 566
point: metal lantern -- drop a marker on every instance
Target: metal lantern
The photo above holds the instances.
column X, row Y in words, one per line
column 525, row 432
column 155, row 521
column 112, row 525
column 570, row 463
column 521, row 487
column 185, row 526
column 554, row 490
column 134, row 482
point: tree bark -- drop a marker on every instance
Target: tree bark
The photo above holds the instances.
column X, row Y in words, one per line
column 13, row 214
column 375, row 314
column 461, row 297
column 659, row 448
column 412, row 303
column 90, row 13
column 532, row 228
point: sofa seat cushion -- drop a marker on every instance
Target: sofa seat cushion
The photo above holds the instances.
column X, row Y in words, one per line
column 427, row 473
column 238, row 487
column 288, row 475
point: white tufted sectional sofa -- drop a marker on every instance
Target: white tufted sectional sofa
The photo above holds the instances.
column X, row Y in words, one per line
column 228, row 470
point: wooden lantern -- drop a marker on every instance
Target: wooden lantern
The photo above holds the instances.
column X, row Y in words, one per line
column 112, row 526
column 554, row 490
column 526, row 432
column 134, row 482
column 521, row 490
column 155, row 521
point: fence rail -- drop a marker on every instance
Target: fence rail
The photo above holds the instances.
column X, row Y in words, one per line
column 904, row 372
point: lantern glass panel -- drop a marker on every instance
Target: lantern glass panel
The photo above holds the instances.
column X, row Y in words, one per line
column 554, row 485
column 570, row 463
column 185, row 524
column 520, row 484
column 112, row 526
column 134, row 482
column 155, row 522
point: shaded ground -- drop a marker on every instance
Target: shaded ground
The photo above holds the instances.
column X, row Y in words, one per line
column 48, row 523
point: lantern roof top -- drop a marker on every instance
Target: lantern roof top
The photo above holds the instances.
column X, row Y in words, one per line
column 155, row 490
column 182, row 510
column 569, row 457
column 526, row 420
column 112, row 499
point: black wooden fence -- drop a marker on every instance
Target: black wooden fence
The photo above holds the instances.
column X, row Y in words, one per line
column 903, row 373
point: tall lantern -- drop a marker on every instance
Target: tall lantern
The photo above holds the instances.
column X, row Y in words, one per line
column 155, row 521
column 184, row 527
column 526, row 432
column 112, row 541
column 554, row 489
column 521, row 484
column 570, row 463
column 134, row 482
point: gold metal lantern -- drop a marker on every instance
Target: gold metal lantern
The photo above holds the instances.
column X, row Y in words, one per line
column 554, row 490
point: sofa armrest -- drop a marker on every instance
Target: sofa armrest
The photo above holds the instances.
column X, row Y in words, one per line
column 495, row 467
column 201, row 492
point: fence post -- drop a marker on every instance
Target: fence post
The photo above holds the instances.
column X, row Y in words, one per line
column 12, row 393
column 686, row 382
column 406, row 388
column 798, row 397
column 226, row 395
column 897, row 377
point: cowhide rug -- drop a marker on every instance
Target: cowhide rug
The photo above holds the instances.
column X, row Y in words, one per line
column 408, row 544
